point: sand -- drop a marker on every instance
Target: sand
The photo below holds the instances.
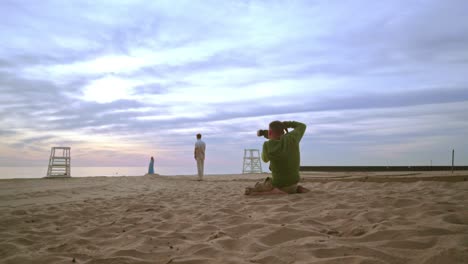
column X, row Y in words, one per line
column 346, row 218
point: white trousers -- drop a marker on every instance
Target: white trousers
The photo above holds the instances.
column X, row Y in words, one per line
column 200, row 165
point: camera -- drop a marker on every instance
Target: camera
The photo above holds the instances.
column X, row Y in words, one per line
column 262, row 133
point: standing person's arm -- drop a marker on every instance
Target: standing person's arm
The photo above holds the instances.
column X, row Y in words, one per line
column 195, row 151
column 299, row 129
column 204, row 149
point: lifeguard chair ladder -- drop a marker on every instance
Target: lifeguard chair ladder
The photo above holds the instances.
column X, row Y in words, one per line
column 252, row 162
column 59, row 162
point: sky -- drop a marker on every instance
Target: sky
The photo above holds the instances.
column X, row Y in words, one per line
column 376, row 82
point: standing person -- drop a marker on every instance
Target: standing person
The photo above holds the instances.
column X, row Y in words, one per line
column 199, row 155
column 151, row 166
column 282, row 151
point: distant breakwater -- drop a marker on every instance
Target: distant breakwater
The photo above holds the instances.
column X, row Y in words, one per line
column 381, row 168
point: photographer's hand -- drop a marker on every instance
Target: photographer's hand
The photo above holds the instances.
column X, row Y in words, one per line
column 287, row 124
column 299, row 128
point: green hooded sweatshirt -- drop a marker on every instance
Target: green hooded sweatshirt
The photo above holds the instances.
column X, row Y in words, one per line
column 284, row 155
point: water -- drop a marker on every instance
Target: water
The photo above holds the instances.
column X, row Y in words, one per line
column 39, row 172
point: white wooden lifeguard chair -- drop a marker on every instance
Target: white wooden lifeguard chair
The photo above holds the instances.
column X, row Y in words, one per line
column 59, row 163
column 252, row 162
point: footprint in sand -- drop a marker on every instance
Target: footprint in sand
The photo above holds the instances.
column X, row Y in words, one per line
column 19, row 212
column 408, row 244
column 243, row 229
column 401, row 203
column 456, row 219
column 355, row 232
column 285, row 234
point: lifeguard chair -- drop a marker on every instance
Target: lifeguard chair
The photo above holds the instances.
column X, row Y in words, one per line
column 59, row 163
column 252, row 162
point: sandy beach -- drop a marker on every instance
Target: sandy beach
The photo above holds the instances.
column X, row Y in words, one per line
column 346, row 218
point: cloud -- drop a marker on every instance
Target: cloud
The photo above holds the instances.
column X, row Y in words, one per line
column 4, row 132
column 151, row 88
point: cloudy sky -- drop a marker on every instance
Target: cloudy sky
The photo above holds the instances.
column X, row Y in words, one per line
column 376, row 82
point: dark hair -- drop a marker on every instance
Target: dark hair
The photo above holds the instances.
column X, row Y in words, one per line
column 198, row 136
column 277, row 127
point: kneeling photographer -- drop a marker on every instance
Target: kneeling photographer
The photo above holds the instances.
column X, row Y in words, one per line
column 282, row 151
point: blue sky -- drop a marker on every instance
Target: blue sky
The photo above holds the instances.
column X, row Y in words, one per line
column 376, row 82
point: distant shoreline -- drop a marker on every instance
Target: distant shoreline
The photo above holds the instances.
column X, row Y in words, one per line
column 306, row 176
